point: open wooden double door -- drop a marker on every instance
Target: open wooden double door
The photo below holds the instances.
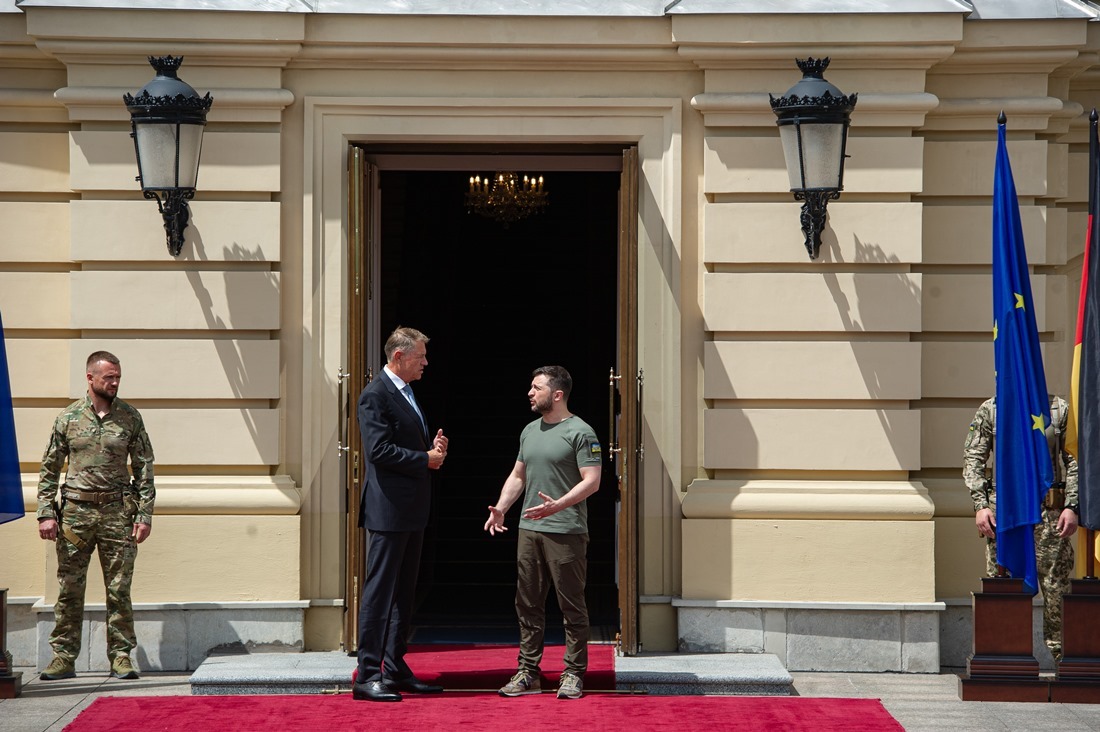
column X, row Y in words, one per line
column 498, row 301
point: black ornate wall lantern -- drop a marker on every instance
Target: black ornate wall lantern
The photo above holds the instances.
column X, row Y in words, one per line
column 813, row 119
column 168, row 118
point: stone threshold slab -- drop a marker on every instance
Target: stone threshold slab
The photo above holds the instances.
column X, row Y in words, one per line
column 273, row 673
column 739, row 674
column 751, row 674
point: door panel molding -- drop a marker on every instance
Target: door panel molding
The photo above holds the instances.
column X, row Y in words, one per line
column 626, row 455
column 362, row 222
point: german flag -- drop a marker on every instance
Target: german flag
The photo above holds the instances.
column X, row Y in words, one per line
column 1083, row 429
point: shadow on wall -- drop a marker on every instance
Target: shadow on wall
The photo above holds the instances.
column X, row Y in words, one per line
column 246, row 285
column 878, row 300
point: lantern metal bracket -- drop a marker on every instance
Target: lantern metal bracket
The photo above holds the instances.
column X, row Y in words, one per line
column 175, row 212
column 813, row 215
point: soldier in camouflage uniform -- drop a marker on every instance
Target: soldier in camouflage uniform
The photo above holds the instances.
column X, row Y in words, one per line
column 1053, row 548
column 100, row 509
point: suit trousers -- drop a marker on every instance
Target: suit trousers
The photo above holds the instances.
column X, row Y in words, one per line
column 385, row 610
column 561, row 560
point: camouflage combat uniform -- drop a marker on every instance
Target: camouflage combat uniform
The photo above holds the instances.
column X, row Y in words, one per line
column 1054, row 556
column 97, row 450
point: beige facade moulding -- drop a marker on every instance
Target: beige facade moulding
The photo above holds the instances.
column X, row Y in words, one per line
column 951, row 497
column 1024, row 113
column 810, row 605
column 30, row 105
column 234, row 105
column 1089, row 78
column 230, row 495
column 1008, row 60
column 486, row 58
column 761, row 57
column 40, row 605
column 754, row 110
column 822, row 500
column 26, row 56
column 243, row 53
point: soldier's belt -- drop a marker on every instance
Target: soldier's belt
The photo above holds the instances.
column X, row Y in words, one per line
column 71, row 494
column 1055, row 499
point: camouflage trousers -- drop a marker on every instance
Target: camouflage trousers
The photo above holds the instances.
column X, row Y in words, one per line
column 106, row 528
column 1054, row 559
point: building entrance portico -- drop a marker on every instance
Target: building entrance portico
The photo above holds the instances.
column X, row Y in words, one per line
column 462, row 360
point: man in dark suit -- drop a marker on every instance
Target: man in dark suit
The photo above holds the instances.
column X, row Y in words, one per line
column 396, row 497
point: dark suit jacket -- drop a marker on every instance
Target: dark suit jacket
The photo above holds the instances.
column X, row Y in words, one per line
column 397, row 489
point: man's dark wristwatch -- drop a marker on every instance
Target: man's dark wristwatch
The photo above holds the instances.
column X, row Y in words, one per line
column 1073, row 507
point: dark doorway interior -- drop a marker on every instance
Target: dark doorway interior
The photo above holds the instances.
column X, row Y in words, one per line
column 498, row 302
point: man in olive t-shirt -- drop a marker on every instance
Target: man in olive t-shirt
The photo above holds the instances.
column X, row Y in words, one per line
column 558, row 467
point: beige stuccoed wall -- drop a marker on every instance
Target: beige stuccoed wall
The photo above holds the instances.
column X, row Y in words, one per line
column 812, row 368
column 198, row 337
column 901, row 290
column 797, row 412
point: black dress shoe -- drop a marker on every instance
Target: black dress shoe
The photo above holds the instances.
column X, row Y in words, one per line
column 374, row 691
column 412, row 685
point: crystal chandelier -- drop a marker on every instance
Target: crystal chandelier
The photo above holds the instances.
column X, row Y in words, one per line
column 505, row 197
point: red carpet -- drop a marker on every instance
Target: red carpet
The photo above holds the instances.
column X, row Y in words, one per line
column 488, row 712
column 471, row 666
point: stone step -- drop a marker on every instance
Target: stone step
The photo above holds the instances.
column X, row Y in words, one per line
column 273, row 673
column 743, row 674
column 682, row 674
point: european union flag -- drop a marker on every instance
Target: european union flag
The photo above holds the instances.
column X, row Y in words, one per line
column 1022, row 464
column 11, row 491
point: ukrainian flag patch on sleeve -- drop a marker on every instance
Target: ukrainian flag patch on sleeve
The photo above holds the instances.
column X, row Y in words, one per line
column 594, row 449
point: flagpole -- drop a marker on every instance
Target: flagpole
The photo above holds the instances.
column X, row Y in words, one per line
column 1003, row 665
column 1090, row 554
column 1094, row 161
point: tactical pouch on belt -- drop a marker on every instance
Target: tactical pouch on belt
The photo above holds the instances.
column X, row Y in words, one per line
column 1055, row 499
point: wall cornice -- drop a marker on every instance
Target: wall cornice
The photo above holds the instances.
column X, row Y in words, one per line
column 30, row 105
column 483, row 57
column 221, row 495
column 1006, row 60
column 120, row 52
column 811, row 499
column 233, row 105
column 754, row 110
column 848, row 55
column 1026, row 113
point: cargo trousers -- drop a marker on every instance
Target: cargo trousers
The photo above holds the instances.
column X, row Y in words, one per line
column 561, row 560
column 106, row 528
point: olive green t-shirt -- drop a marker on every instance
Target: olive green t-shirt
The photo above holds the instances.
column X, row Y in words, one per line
column 552, row 455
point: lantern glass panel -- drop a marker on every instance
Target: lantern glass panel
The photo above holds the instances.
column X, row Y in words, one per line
column 157, row 142
column 821, row 150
